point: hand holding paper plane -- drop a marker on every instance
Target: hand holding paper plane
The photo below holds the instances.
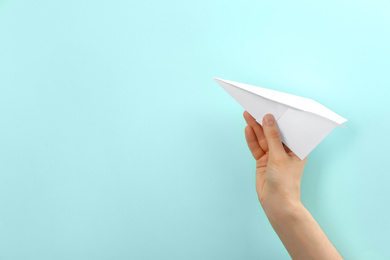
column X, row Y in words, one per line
column 303, row 123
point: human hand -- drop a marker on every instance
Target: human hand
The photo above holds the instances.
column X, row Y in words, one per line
column 278, row 169
column 278, row 181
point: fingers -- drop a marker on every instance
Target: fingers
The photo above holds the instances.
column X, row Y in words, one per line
column 271, row 132
column 252, row 142
column 258, row 131
column 262, row 139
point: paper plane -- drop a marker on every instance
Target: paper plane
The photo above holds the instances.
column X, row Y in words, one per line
column 302, row 122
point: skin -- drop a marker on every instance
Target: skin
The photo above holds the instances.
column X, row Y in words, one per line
column 278, row 181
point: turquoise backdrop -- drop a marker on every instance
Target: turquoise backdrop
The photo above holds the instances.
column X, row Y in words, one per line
column 115, row 142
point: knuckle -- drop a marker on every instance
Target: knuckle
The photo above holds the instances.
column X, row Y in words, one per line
column 274, row 134
column 263, row 143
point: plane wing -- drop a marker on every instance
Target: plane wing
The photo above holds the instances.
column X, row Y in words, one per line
column 303, row 123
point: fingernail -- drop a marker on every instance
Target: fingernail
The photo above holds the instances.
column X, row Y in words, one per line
column 269, row 119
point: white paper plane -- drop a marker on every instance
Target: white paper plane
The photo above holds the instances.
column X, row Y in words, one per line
column 302, row 122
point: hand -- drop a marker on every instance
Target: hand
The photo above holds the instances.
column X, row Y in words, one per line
column 278, row 169
column 278, row 181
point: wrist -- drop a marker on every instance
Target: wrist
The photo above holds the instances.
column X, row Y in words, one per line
column 282, row 209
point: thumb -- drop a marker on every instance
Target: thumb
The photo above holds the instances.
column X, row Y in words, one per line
column 272, row 135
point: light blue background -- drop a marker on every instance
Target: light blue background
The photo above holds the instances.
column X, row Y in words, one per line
column 115, row 142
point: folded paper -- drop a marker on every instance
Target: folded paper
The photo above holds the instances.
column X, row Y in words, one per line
column 302, row 122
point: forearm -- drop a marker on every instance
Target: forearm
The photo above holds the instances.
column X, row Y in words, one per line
column 299, row 232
